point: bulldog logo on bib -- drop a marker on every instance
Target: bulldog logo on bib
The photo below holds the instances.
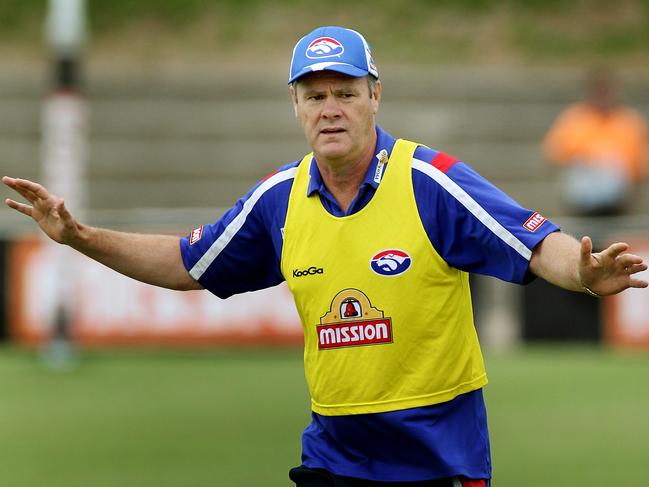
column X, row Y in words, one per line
column 390, row 262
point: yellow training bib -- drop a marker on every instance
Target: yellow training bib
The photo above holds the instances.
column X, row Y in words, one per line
column 387, row 322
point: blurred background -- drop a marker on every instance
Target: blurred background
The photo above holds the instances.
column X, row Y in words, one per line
column 155, row 116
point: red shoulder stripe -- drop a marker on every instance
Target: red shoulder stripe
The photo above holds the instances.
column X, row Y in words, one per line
column 443, row 161
column 270, row 175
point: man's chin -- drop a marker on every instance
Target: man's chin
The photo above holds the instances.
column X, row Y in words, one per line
column 332, row 150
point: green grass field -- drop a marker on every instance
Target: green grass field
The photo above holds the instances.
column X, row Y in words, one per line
column 558, row 417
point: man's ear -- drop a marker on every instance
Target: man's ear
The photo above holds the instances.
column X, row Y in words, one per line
column 376, row 98
column 293, row 92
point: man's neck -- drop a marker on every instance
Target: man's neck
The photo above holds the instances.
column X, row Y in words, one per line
column 343, row 179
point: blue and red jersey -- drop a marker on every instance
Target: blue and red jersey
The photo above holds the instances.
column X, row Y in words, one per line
column 471, row 224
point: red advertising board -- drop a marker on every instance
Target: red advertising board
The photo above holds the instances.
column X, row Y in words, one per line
column 626, row 315
column 107, row 308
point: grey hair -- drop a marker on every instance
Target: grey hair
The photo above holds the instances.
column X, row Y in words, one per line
column 371, row 83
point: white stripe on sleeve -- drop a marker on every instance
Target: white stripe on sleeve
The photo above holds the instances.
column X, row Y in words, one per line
column 473, row 206
column 235, row 225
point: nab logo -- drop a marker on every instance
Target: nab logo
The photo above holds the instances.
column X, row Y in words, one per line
column 196, row 235
column 308, row 272
column 391, row 262
column 324, row 47
column 534, row 222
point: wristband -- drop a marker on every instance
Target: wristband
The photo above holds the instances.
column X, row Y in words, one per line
column 590, row 292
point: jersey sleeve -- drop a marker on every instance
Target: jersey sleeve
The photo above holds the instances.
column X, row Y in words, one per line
column 241, row 251
column 472, row 224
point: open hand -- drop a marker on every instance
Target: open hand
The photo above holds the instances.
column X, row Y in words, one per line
column 46, row 209
column 609, row 271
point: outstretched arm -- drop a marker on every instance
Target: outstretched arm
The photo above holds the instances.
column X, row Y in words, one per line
column 154, row 259
column 570, row 264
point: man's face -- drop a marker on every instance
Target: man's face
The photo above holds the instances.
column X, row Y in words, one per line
column 337, row 114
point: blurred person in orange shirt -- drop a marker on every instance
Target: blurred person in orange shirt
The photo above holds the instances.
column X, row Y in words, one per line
column 601, row 146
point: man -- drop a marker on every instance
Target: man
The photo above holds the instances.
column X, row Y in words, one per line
column 374, row 237
column 602, row 148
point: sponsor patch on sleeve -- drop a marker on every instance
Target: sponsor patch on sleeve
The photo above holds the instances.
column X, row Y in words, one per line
column 534, row 222
column 195, row 235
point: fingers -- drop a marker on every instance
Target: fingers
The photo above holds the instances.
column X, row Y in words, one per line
column 33, row 187
column 28, row 195
column 28, row 189
column 608, row 257
column 628, row 260
column 638, row 283
column 11, row 182
column 22, row 208
column 635, row 268
column 63, row 212
column 586, row 251
column 614, row 250
column 632, row 264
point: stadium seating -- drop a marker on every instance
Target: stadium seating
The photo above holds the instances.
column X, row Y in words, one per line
column 172, row 146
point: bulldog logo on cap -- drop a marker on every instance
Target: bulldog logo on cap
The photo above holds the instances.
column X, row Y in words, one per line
column 332, row 48
column 324, row 47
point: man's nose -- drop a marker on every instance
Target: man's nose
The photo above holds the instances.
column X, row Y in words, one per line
column 331, row 108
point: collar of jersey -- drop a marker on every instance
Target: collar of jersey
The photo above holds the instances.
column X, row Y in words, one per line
column 383, row 141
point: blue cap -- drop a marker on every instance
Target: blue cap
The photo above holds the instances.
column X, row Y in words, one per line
column 333, row 49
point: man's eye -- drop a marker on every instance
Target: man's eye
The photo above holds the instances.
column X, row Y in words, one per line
column 315, row 97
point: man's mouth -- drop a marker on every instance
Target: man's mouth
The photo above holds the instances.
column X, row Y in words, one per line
column 332, row 130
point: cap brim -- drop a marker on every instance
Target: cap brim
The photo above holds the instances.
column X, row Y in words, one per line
column 343, row 68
